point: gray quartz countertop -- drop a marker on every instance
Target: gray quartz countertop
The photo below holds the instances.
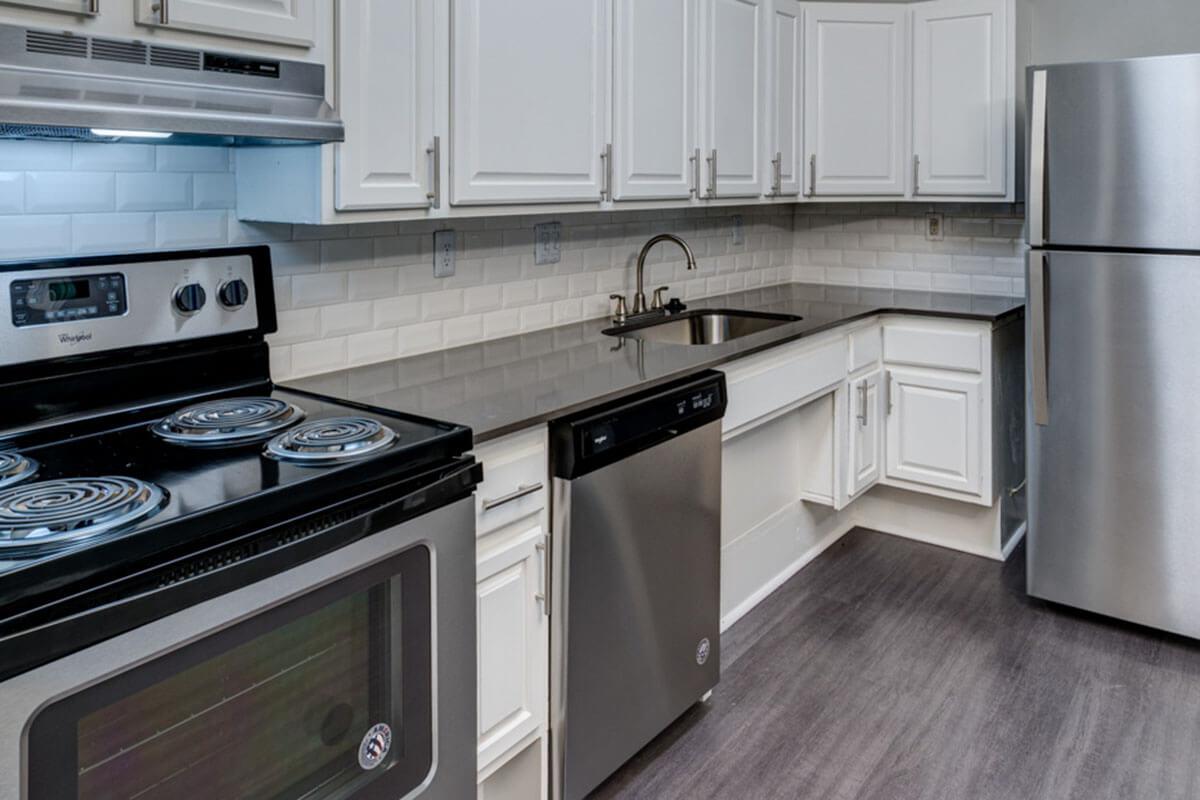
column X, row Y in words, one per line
column 504, row 385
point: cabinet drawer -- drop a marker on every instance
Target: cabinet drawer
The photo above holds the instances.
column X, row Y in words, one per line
column 940, row 348
column 759, row 388
column 865, row 348
column 514, row 480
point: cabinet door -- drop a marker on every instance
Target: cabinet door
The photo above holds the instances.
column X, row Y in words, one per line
column 513, row 654
column 529, row 100
column 866, row 435
column 283, row 21
column 934, row 429
column 654, row 113
column 74, row 7
column 960, row 97
column 785, row 147
column 854, row 100
column 385, row 93
column 733, row 97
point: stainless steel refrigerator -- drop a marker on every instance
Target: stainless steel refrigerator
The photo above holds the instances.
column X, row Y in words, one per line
column 1113, row 339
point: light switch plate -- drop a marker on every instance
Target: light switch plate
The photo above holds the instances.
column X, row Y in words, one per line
column 739, row 229
column 547, row 247
column 443, row 253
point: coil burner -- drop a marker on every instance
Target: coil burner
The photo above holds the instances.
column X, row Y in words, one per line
column 45, row 516
column 228, row 422
column 328, row 441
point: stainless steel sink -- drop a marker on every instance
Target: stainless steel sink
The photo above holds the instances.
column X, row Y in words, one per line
column 702, row 327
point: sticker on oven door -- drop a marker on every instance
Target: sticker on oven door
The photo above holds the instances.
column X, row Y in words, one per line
column 374, row 746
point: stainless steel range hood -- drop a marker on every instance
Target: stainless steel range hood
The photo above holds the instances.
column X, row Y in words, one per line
column 62, row 85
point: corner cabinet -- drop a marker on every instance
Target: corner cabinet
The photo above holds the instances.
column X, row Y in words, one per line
column 962, row 98
column 529, row 101
column 855, row 110
column 291, row 22
column 733, row 97
column 385, row 87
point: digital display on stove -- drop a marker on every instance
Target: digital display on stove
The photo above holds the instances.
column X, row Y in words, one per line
column 46, row 301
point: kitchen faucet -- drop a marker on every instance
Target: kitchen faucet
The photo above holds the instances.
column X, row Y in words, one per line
column 639, row 297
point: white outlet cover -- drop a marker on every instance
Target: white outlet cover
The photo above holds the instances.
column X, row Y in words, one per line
column 935, row 227
column 444, row 245
column 547, row 247
column 739, row 229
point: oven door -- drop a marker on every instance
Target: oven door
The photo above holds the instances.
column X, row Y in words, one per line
column 318, row 682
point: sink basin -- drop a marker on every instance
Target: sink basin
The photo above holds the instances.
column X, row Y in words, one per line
column 702, row 327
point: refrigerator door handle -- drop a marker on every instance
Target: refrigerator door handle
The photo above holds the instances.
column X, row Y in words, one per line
column 1037, row 161
column 1039, row 264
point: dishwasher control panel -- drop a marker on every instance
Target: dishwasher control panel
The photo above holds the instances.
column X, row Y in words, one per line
column 599, row 436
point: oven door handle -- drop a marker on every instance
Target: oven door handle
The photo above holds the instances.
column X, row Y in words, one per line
column 48, row 632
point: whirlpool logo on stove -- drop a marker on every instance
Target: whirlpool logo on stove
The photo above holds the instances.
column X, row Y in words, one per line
column 74, row 338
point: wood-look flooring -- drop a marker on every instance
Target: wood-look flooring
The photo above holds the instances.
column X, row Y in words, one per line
column 889, row 669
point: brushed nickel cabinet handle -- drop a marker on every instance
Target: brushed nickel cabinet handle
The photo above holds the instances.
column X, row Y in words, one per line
column 93, row 7
column 164, row 16
column 524, row 490
column 916, row 175
column 712, row 173
column 435, row 196
column 540, row 595
column 862, row 404
column 1039, row 268
column 606, row 188
column 777, row 174
column 694, row 158
column 812, row 175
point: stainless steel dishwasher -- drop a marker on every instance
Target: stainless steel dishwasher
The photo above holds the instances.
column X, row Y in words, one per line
column 635, row 594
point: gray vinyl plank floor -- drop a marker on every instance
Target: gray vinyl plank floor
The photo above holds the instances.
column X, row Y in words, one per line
column 889, row 669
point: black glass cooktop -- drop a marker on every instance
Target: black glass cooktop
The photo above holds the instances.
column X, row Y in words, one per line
column 342, row 450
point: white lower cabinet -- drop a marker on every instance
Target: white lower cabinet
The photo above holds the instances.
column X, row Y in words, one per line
column 525, row 776
column 511, row 616
column 935, row 430
column 866, row 432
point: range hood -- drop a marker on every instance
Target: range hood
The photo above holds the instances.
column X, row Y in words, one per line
column 63, row 85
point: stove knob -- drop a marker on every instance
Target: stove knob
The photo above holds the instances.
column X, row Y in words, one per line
column 189, row 299
column 233, row 294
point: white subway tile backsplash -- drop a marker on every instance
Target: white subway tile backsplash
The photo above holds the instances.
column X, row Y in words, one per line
column 420, row 338
column 35, row 155
column 320, row 355
column 462, row 330
column 297, row 325
column 177, row 158
column 343, row 318
column 214, row 190
column 27, row 236
column 69, row 192
column 373, row 283
column 340, row 255
column 943, row 282
column 478, row 299
column 372, row 347
column 191, row 228
column 155, row 191
column 395, row 312
column 113, row 157
column 319, row 289
column 112, row 233
column 12, row 192
column 441, row 305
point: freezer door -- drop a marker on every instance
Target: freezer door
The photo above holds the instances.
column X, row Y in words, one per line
column 1115, row 157
column 1114, row 454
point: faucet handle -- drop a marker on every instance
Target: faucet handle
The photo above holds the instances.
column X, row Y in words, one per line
column 658, row 302
column 621, row 313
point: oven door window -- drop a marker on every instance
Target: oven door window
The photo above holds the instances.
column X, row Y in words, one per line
column 326, row 696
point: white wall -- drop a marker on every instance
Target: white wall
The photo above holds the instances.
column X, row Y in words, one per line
column 1091, row 30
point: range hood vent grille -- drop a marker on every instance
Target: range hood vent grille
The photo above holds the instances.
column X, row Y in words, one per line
column 56, row 44
column 175, row 57
column 116, row 50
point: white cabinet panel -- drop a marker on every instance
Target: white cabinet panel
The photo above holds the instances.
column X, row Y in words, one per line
column 654, row 97
column 855, row 107
column 512, row 643
column 786, row 145
column 733, row 97
column 284, row 21
column 934, row 430
column 386, row 97
column 960, row 97
column 528, row 100
column 866, row 436
column 74, row 7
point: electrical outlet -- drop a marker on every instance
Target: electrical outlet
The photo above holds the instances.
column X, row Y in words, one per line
column 739, row 229
column 443, row 254
column 935, row 227
column 547, row 247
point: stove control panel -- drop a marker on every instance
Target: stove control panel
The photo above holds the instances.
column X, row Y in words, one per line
column 38, row 301
column 61, row 309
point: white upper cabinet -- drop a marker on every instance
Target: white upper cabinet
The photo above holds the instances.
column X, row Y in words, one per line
column 962, row 97
column 654, row 98
column 733, row 97
column 786, row 141
column 855, row 109
column 74, row 7
column 386, row 87
column 528, row 100
column 283, row 21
